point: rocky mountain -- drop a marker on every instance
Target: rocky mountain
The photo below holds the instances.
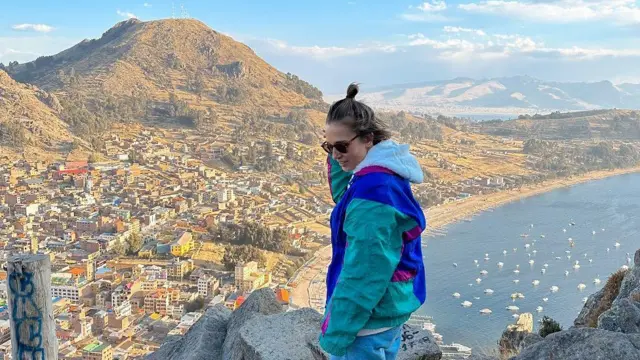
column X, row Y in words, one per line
column 30, row 117
column 166, row 68
column 521, row 94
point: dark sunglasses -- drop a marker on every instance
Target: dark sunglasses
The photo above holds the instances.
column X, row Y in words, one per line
column 341, row 146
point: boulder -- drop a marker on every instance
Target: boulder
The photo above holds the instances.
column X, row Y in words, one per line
column 203, row 341
column 289, row 336
column 261, row 303
column 584, row 343
column 514, row 341
column 418, row 344
column 624, row 317
column 589, row 309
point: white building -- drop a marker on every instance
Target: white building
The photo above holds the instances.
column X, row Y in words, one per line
column 226, row 195
column 207, row 285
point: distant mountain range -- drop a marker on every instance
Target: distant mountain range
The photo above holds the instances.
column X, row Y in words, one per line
column 520, row 93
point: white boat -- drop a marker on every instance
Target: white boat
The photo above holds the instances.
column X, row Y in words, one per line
column 535, row 252
column 484, row 272
column 581, row 286
column 597, row 281
column 455, row 351
column 456, row 295
column 539, row 309
column 558, row 258
column 593, row 232
column 564, row 230
column 512, row 308
column 517, row 296
column 515, row 316
column 554, row 288
column 584, row 299
column 475, row 262
column 531, row 262
column 566, row 273
column 488, row 291
column 602, row 229
column 486, row 258
column 467, row 303
column 516, row 281
column 543, row 270
column 608, row 249
column 545, row 299
column 504, row 252
column 590, row 261
column 485, row 311
column 526, row 246
column 567, row 251
column 617, row 244
column 455, row 265
column 535, row 282
column 476, row 298
column 516, row 271
column 500, row 264
column 542, row 236
column 546, row 265
column 478, row 280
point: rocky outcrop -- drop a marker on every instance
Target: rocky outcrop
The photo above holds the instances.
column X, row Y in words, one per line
column 202, row 342
column 261, row 303
column 615, row 313
column 261, row 330
column 584, row 343
column 513, row 341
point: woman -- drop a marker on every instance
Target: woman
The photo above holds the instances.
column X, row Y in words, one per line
column 376, row 277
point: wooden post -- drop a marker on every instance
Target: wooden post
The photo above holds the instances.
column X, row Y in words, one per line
column 33, row 330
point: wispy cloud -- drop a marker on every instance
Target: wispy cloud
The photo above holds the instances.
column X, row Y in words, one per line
column 33, row 27
column 126, row 14
column 147, row 5
column 456, row 29
column 327, row 52
column 623, row 12
column 427, row 12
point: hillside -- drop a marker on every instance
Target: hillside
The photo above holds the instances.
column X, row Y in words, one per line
column 173, row 68
column 29, row 119
column 596, row 124
column 512, row 95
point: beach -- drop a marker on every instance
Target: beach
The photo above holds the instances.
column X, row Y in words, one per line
column 309, row 290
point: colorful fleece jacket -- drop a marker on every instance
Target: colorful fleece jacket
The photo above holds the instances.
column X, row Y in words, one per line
column 376, row 278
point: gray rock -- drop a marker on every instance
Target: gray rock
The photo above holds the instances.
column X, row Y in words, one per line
column 630, row 284
column 589, row 309
column 260, row 303
column 584, row 343
column 624, row 316
column 202, row 342
column 475, row 356
column 636, row 259
column 513, row 342
column 418, row 344
column 289, row 336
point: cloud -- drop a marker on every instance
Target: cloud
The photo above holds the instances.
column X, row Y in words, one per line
column 28, row 48
column 147, row 5
column 427, row 12
column 622, row 12
column 456, row 29
column 125, row 14
column 433, row 6
column 33, row 27
column 327, row 52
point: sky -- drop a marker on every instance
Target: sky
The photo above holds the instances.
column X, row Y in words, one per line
column 331, row 43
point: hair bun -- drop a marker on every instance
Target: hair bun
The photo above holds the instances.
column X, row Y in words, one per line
column 352, row 91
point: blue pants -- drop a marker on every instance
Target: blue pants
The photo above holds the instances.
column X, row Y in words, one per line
column 382, row 346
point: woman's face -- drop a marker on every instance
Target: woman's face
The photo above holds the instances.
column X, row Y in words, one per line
column 357, row 147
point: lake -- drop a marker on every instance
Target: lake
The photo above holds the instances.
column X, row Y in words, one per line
column 610, row 207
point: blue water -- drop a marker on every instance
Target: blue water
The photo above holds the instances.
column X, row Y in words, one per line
column 612, row 204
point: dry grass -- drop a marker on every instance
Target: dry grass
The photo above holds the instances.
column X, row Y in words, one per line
column 611, row 291
column 635, row 297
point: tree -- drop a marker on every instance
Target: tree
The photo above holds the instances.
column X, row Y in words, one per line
column 134, row 243
column 119, row 248
column 93, row 158
column 549, row 326
column 195, row 305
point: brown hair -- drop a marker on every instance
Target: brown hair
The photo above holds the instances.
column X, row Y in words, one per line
column 358, row 116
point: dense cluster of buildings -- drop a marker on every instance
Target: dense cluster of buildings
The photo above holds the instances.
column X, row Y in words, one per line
column 124, row 238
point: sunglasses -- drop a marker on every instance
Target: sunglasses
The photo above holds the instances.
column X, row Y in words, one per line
column 341, row 146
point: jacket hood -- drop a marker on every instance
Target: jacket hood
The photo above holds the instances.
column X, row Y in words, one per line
column 395, row 157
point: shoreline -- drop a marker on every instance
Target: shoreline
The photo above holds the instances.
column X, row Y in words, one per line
column 309, row 283
column 441, row 216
